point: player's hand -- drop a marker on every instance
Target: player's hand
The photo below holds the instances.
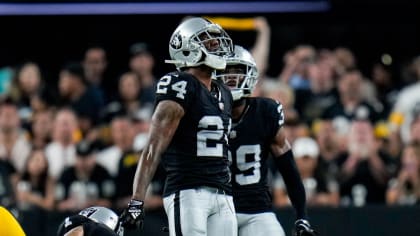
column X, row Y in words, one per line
column 133, row 216
column 303, row 228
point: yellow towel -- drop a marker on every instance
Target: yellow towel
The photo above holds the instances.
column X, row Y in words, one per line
column 230, row 23
column 9, row 225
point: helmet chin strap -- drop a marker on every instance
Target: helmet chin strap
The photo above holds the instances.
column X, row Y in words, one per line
column 215, row 62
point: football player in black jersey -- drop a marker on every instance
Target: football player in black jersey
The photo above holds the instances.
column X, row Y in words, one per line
column 257, row 132
column 92, row 221
column 189, row 131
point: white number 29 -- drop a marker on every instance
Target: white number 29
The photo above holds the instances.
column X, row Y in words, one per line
column 179, row 87
column 243, row 164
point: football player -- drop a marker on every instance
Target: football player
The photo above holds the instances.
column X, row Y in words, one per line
column 256, row 132
column 93, row 221
column 189, row 131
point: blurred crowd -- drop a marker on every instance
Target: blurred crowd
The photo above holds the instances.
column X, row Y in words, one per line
column 355, row 136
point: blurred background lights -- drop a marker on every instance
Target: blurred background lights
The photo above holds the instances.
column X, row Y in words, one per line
column 386, row 59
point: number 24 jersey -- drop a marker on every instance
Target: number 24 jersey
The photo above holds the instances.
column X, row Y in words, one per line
column 197, row 154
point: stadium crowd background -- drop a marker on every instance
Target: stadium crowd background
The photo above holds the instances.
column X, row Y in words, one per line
column 72, row 119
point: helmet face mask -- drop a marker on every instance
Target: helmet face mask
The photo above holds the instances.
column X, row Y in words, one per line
column 198, row 41
column 233, row 76
column 240, row 74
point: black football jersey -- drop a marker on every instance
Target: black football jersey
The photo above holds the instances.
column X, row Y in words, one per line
column 197, row 155
column 249, row 148
column 90, row 228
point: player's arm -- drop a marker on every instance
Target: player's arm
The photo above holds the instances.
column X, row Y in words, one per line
column 78, row 231
column 165, row 121
column 286, row 165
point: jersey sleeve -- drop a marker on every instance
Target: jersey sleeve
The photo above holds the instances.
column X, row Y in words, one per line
column 275, row 118
column 176, row 87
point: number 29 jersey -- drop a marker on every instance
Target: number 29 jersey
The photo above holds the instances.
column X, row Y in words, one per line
column 197, row 154
column 249, row 147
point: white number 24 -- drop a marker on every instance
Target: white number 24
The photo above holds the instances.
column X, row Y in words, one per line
column 179, row 87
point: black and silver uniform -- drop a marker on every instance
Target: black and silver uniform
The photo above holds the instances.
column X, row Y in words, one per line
column 249, row 146
column 197, row 154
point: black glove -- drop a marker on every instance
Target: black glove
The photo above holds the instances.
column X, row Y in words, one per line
column 303, row 228
column 133, row 216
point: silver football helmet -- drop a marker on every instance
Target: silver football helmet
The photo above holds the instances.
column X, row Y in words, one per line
column 104, row 216
column 241, row 73
column 197, row 41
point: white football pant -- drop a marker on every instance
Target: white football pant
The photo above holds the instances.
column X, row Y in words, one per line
column 203, row 211
column 261, row 224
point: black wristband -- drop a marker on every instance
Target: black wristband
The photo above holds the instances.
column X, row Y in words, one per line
column 287, row 167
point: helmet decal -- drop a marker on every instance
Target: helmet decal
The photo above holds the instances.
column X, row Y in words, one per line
column 176, row 41
column 88, row 211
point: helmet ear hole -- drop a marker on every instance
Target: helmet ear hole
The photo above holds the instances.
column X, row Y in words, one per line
column 186, row 53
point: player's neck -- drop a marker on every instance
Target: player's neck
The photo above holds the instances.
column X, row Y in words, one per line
column 203, row 74
column 238, row 109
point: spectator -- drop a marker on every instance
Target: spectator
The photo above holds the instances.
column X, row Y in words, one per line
column 35, row 187
column 294, row 128
column 28, row 85
column 319, row 189
column 86, row 183
column 415, row 129
column 142, row 63
column 344, row 60
column 41, row 128
column 122, row 135
column 281, row 92
column 128, row 101
column 330, row 144
column 95, row 64
column 127, row 169
column 8, row 181
column 387, row 142
column 295, row 71
column 403, row 110
column 141, row 123
column 386, row 88
column 351, row 102
column 405, row 188
column 363, row 170
column 76, row 92
column 322, row 93
column 61, row 151
column 14, row 145
column 261, row 49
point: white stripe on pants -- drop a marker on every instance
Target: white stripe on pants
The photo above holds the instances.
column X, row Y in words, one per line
column 200, row 212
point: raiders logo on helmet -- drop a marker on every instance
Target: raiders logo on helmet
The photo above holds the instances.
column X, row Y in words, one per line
column 88, row 211
column 176, row 41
